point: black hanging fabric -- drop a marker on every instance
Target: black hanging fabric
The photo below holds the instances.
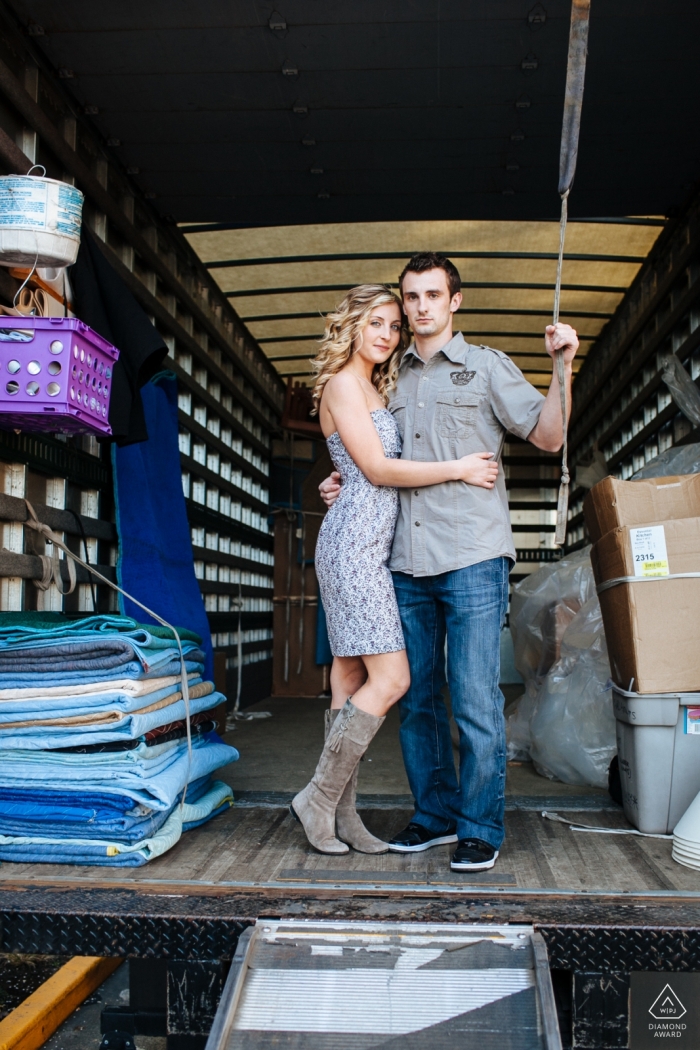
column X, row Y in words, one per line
column 103, row 301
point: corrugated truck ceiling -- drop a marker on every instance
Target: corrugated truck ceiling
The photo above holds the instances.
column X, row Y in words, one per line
column 282, row 280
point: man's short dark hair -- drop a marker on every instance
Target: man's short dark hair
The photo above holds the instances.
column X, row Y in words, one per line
column 423, row 261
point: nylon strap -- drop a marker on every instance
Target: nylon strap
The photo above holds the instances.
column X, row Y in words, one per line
column 563, row 503
column 51, row 567
column 568, row 154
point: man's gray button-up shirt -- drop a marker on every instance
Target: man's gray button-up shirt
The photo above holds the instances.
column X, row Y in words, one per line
column 463, row 400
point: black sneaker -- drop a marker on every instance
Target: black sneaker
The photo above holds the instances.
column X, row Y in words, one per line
column 473, row 855
column 416, row 838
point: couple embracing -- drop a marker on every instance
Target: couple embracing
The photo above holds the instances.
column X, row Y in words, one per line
column 415, row 552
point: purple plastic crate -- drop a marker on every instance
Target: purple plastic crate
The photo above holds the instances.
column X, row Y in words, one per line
column 55, row 375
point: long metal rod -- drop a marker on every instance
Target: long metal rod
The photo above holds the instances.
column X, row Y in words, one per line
column 315, row 315
column 544, row 286
column 623, row 220
column 321, row 891
column 274, row 260
column 513, row 334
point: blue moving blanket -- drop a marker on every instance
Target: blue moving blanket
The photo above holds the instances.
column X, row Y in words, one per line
column 85, row 815
column 37, row 654
column 103, row 680
column 27, row 628
column 141, row 828
column 155, row 549
column 153, row 776
column 20, row 704
column 106, row 652
column 37, row 848
column 133, row 669
column 130, row 727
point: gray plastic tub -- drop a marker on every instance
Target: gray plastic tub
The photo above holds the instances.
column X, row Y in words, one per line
column 659, row 758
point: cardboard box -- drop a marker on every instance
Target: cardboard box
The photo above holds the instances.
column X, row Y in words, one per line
column 651, row 624
column 612, row 503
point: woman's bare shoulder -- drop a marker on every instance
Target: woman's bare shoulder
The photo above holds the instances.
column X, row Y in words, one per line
column 344, row 385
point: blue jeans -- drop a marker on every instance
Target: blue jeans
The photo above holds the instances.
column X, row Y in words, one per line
column 467, row 607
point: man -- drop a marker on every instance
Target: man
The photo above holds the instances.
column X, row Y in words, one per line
column 452, row 553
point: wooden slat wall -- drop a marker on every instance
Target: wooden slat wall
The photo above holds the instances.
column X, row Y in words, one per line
column 620, row 400
column 230, row 396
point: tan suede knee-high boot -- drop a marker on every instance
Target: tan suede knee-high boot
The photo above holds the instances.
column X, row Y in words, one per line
column 316, row 804
column 348, row 823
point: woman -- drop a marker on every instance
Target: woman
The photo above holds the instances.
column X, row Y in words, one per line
column 356, row 368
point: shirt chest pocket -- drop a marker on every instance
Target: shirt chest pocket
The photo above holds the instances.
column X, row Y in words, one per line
column 456, row 414
column 397, row 407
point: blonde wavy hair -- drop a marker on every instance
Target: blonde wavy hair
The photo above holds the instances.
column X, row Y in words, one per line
column 344, row 326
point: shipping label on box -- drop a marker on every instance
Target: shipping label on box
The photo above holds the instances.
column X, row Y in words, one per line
column 651, row 630
column 692, row 721
column 649, row 551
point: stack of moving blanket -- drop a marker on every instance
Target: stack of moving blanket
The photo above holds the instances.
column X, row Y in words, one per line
column 93, row 748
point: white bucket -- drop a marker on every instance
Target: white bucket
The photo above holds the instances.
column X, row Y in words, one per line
column 39, row 221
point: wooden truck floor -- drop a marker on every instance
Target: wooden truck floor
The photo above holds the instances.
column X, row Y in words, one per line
column 257, row 846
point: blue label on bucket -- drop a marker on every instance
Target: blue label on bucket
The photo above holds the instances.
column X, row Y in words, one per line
column 41, row 205
column 23, row 202
column 70, row 209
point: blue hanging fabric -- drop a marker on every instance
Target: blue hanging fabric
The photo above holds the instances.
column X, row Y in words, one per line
column 155, row 561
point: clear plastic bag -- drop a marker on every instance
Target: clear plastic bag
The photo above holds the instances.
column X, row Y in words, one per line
column 683, row 459
column 541, row 608
column 564, row 721
column 682, row 388
column 519, row 721
column 572, row 726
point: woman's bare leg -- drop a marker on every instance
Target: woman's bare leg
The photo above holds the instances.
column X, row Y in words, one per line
column 388, row 678
column 371, row 684
column 348, row 674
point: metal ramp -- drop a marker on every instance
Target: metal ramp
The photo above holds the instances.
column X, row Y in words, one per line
column 296, row 985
